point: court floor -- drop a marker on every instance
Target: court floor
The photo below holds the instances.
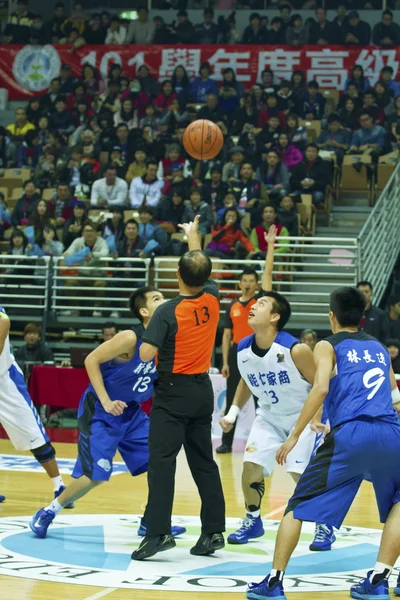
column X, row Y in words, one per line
column 28, row 491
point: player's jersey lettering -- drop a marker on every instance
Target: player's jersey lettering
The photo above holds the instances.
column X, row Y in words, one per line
column 131, row 380
column 274, row 378
column 361, row 387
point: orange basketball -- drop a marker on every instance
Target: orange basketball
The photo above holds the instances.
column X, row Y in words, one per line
column 203, row 139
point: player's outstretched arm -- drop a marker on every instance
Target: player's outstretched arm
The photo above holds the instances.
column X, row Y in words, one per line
column 324, row 359
column 192, row 231
column 270, row 238
column 241, row 398
column 122, row 343
column 4, row 330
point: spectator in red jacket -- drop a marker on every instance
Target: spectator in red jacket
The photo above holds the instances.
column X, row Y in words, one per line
column 165, row 98
column 226, row 235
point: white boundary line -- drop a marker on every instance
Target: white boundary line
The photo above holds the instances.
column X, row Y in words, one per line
column 101, row 594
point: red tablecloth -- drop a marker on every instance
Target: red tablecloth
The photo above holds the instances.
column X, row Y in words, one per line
column 61, row 386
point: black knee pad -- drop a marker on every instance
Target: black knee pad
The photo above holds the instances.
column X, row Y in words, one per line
column 44, row 453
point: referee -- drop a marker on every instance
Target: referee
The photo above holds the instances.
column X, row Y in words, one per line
column 183, row 332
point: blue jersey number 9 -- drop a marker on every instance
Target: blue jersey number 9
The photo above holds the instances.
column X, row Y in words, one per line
column 373, row 379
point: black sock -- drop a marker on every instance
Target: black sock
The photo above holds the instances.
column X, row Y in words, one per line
column 275, row 577
column 380, row 576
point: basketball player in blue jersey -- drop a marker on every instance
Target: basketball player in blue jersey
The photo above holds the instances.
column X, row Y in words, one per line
column 18, row 415
column 279, row 371
column 109, row 416
column 355, row 380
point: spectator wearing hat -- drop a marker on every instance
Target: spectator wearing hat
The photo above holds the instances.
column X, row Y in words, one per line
column 109, row 190
column 169, row 212
column 155, row 237
column 386, row 33
column 33, row 351
column 203, row 85
column 356, row 32
column 394, row 315
column 177, row 178
column 214, row 189
column 208, row 31
column 67, row 81
column 212, row 111
column 231, row 170
column 184, row 29
column 173, row 156
column 115, row 160
column 254, row 32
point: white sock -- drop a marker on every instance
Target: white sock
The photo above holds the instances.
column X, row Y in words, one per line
column 55, row 506
column 57, row 482
column 255, row 513
column 381, row 570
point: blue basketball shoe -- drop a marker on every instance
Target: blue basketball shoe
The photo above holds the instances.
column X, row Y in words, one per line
column 397, row 588
column 59, row 492
column 251, row 528
column 323, row 539
column 365, row 590
column 2, row 498
column 175, row 529
column 258, row 591
column 41, row 521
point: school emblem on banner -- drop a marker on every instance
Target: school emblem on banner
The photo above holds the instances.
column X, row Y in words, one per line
column 35, row 66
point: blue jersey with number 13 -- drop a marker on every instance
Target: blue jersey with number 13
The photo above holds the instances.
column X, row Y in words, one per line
column 361, row 386
column 129, row 380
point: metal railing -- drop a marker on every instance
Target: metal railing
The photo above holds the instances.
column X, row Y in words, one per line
column 379, row 240
column 24, row 282
column 104, row 288
column 305, row 273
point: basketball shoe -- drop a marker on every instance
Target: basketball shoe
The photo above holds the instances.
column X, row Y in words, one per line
column 250, row 529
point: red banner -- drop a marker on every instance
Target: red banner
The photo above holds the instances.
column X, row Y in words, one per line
column 27, row 71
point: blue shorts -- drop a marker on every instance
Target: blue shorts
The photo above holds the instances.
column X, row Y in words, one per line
column 331, row 480
column 102, row 434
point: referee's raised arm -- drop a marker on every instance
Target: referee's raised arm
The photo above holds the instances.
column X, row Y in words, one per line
column 183, row 332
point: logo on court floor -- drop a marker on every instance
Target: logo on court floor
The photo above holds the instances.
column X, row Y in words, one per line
column 96, row 549
column 29, row 464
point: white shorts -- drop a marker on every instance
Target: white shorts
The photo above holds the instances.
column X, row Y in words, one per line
column 18, row 416
column 265, row 439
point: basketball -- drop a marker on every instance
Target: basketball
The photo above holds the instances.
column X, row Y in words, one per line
column 203, row 139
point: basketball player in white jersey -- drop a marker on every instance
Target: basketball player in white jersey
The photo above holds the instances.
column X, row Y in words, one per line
column 279, row 371
column 18, row 415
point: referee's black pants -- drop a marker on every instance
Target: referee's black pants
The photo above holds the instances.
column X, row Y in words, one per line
column 231, row 386
column 182, row 412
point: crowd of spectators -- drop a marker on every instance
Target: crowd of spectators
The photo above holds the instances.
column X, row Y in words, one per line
column 80, row 28
column 115, row 145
